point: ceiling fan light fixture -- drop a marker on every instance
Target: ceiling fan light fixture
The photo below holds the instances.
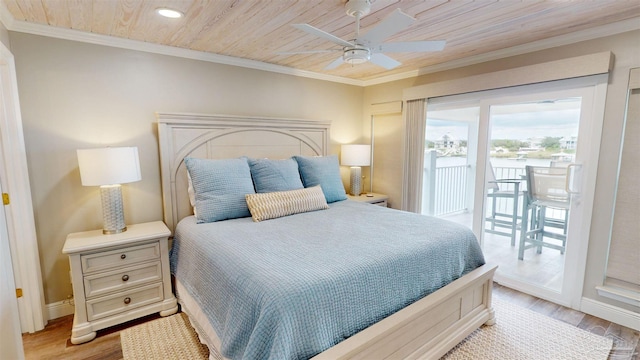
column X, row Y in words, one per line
column 358, row 7
column 169, row 13
column 356, row 56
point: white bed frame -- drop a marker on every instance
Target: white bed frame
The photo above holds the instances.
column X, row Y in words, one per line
column 426, row 329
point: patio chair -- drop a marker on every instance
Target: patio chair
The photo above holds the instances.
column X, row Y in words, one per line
column 503, row 189
column 546, row 190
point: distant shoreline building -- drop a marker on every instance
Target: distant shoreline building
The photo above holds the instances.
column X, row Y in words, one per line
column 569, row 143
column 446, row 141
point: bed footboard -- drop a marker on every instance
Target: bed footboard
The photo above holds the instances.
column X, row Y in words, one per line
column 428, row 328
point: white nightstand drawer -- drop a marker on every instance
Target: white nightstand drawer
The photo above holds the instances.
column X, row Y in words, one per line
column 121, row 279
column 124, row 301
column 380, row 203
column 120, row 257
column 371, row 198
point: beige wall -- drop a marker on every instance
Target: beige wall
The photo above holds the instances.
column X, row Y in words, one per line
column 4, row 35
column 627, row 55
column 75, row 95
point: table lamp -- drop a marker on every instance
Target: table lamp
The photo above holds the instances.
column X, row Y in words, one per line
column 356, row 156
column 108, row 168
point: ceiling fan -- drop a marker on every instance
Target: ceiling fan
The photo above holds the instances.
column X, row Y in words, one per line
column 370, row 46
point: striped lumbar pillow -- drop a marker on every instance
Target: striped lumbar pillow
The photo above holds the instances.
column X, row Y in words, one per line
column 265, row 206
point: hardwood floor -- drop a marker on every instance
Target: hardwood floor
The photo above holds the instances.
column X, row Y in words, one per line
column 53, row 342
column 626, row 341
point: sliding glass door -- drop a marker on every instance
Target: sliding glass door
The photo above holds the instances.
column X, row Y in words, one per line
column 538, row 131
column 516, row 166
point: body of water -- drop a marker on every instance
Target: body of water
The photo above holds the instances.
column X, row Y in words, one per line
column 496, row 162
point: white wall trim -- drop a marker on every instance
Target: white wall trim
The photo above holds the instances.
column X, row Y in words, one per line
column 69, row 34
column 611, row 313
column 60, row 309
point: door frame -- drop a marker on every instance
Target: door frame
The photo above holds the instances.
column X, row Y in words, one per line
column 593, row 91
column 19, row 213
column 596, row 86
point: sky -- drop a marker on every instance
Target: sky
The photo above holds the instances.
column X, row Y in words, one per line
column 515, row 126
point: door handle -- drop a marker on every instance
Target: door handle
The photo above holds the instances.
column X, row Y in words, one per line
column 569, row 178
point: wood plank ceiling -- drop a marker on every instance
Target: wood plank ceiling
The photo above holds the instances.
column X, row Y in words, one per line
column 258, row 29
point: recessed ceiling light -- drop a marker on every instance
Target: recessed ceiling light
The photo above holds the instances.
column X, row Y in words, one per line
column 170, row 13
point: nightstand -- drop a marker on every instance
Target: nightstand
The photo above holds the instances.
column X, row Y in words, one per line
column 375, row 199
column 119, row 277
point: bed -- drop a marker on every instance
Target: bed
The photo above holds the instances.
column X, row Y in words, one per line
column 342, row 308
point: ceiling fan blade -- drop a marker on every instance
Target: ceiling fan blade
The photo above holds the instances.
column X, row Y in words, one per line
column 395, row 22
column 410, row 46
column 384, row 61
column 334, row 64
column 323, row 34
column 305, row 52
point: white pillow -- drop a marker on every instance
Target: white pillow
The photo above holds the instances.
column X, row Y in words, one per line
column 265, row 206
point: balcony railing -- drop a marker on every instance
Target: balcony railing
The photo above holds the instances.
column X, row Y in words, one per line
column 451, row 195
column 449, row 189
column 445, row 189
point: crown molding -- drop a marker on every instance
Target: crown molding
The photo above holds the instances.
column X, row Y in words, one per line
column 5, row 16
column 105, row 40
column 574, row 37
column 75, row 35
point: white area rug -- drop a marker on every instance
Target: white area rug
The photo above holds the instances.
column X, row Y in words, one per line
column 167, row 338
column 519, row 334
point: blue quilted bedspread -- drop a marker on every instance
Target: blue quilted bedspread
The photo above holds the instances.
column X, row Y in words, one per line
column 290, row 288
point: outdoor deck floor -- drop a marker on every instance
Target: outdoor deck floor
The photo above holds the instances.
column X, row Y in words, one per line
column 544, row 269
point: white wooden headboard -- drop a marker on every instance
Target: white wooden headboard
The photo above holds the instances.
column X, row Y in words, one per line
column 223, row 137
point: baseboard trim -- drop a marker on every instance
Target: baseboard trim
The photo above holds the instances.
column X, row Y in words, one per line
column 611, row 313
column 59, row 309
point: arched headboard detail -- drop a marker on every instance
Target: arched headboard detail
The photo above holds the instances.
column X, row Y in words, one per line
column 223, row 137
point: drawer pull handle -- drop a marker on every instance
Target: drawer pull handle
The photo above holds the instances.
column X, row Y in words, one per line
column 123, row 256
column 125, row 277
column 127, row 300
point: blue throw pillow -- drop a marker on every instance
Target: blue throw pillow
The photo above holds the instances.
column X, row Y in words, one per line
column 220, row 187
column 323, row 171
column 275, row 175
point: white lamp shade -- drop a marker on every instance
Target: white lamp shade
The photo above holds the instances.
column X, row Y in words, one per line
column 109, row 166
column 356, row 155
